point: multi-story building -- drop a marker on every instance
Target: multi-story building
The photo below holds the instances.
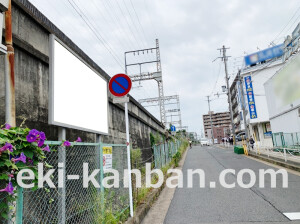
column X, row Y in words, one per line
column 236, row 101
column 283, row 90
column 258, row 68
column 220, row 122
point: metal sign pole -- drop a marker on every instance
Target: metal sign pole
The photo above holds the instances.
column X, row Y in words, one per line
column 119, row 86
column 128, row 160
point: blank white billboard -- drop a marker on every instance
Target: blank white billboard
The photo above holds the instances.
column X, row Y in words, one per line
column 78, row 95
column 283, row 89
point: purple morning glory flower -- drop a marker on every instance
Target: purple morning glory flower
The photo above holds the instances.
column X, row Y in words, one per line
column 9, row 188
column 31, row 138
column 7, row 146
column 78, row 139
column 41, row 143
column 22, row 158
column 47, row 149
column 34, row 132
column 7, row 126
column 66, row 143
column 42, row 136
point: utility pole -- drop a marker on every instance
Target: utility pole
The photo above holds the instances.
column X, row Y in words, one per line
column 240, row 83
column 10, row 108
column 225, row 58
column 211, row 126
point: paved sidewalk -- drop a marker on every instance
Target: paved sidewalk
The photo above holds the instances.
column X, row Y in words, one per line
column 291, row 159
column 159, row 210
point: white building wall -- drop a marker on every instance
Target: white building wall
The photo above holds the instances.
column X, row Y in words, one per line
column 283, row 97
column 286, row 123
column 259, row 75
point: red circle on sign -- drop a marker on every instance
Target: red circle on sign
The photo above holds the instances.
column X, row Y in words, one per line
column 114, row 81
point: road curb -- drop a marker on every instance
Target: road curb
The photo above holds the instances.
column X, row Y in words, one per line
column 276, row 161
column 143, row 209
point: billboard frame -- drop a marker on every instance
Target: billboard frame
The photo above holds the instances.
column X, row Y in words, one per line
column 52, row 39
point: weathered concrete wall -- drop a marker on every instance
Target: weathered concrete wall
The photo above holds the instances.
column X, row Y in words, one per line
column 31, row 32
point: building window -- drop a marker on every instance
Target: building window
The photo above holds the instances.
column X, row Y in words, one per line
column 267, row 130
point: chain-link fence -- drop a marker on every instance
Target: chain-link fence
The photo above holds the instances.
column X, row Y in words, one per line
column 72, row 202
column 289, row 140
column 163, row 153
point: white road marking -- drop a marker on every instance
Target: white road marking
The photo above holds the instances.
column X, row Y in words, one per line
column 292, row 215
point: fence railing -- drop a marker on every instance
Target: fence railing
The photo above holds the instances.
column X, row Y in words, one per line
column 288, row 154
column 72, row 203
column 164, row 152
column 287, row 140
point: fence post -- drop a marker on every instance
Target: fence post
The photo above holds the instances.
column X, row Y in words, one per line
column 99, row 153
column 282, row 139
column 19, row 215
column 101, row 176
column 155, row 156
column 284, row 152
column 62, row 191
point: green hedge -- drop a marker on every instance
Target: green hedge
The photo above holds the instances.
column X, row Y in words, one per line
column 238, row 150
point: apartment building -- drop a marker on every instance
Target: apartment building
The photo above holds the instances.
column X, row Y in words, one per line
column 220, row 121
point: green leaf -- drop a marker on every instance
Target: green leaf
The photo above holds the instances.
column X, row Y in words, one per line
column 35, row 187
column 4, row 177
column 13, row 166
column 3, row 205
column 28, row 153
column 48, row 165
column 8, row 163
column 51, row 200
column 3, row 132
column 20, row 165
column 4, row 215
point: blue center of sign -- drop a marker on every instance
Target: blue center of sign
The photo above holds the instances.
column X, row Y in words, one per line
column 120, row 85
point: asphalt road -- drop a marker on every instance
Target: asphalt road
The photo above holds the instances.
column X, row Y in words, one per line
column 236, row 205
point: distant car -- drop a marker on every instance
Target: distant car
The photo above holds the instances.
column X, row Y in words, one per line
column 204, row 141
column 240, row 136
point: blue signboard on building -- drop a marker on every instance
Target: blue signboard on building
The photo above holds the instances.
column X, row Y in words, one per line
column 250, row 96
column 264, row 55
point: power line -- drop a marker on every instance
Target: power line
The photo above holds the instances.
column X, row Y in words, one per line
column 138, row 20
column 99, row 37
column 217, row 79
column 63, row 15
column 112, row 24
column 286, row 24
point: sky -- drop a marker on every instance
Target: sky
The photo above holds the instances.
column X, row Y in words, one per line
column 189, row 33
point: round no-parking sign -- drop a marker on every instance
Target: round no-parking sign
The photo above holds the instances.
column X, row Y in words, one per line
column 120, row 85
